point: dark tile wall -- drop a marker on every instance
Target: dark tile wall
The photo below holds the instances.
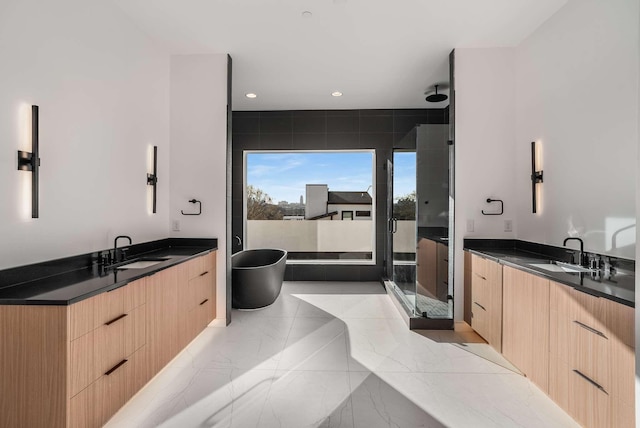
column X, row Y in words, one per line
column 380, row 130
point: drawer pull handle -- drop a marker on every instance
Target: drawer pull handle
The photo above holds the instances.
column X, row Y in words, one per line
column 119, row 317
column 204, row 273
column 591, row 381
column 204, row 301
column 478, row 275
column 482, row 307
column 116, row 367
column 591, row 329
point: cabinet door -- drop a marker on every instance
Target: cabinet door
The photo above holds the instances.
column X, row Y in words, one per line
column 113, row 389
column 162, row 318
column 525, row 324
column 479, row 296
column 442, row 272
column 427, row 268
column 591, row 358
column 82, row 409
column 486, row 300
column 184, row 334
column 81, row 363
column 211, row 284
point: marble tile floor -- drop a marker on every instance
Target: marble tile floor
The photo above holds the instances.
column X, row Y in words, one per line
column 333, row 354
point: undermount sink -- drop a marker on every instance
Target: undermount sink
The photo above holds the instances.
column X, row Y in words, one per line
column 142, row 263
column 561, row 267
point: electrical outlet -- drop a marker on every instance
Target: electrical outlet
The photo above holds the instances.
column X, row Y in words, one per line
column 508, row 226
column 470, row 225
column 175, row 226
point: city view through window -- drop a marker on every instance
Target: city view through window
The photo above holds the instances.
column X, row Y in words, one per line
column 315, row 205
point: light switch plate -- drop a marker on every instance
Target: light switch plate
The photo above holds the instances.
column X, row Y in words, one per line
column 175, row 226
column 508, row 226
column 470, row 225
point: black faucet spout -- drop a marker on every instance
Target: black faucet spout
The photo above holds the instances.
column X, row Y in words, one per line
column 115, row 246
column 581, row 258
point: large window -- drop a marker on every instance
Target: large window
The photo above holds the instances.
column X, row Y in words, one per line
column 304, row 202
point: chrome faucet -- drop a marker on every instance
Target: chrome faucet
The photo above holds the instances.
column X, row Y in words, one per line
column 115, row 247
column 581, row 258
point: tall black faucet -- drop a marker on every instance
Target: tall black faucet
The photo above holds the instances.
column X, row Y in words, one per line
column 581, row 259
column 115, row 246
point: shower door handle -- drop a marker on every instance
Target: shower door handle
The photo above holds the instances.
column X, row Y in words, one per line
column 394, row 225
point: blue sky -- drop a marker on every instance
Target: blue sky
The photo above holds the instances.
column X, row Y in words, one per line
column 283, row 175
column 404, row 173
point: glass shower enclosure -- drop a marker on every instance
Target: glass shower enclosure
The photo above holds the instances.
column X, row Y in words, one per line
column 418, row 242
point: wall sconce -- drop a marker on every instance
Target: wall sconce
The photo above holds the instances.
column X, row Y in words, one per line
column 152, row 179
column 536, row 177
column 30, row 161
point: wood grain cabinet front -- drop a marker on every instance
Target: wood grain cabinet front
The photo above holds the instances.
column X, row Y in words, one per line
column 432, row 269
column 76, row 365
column 486, row 300
column 202, row 296
column 525, row 339
column 591, row 358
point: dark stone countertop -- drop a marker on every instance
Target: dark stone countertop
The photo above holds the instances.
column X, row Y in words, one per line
column 617, row 284
column 437, row 234
column 72, row 279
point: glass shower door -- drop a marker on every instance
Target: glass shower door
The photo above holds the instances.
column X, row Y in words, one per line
column 403, row 224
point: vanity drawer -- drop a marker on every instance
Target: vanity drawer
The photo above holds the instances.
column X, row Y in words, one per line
column 592, row 358
column 200, row 289
column 81, row 363
column 201, row 316
column 108, row 306
column 114, row 388
column 196, row 267
column 119, row 339
column 135, row 294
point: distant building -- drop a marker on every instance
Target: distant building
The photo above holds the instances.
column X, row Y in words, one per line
column 325, row 205
column 291, row 211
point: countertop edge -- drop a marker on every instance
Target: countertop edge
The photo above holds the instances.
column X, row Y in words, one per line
column 142, row 274
column 550, row 276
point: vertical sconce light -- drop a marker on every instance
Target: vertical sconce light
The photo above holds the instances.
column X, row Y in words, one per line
column 152, row 179
column 30, row 161
column 536, row 177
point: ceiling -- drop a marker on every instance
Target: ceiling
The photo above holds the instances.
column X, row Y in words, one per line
column 378, row 53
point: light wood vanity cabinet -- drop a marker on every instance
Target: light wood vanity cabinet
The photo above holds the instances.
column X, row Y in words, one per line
column 578, row 348
column 201, row 309
column 427, row 267
column 433, row 269
column 104, row 360
column 76, row 365
column 486, row 300
column 525, row 333
column 592, row 358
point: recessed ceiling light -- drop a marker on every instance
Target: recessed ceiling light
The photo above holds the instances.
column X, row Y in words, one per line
column 307, row 14
column 336, row 94
column 250, row 95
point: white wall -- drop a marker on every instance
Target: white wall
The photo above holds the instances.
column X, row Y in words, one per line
column 576, row 92
column 198, row 152
column 484, row 150
column 103, row 90
column 573, row 86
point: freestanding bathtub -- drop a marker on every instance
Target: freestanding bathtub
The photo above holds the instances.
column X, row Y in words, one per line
column 256, row 277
